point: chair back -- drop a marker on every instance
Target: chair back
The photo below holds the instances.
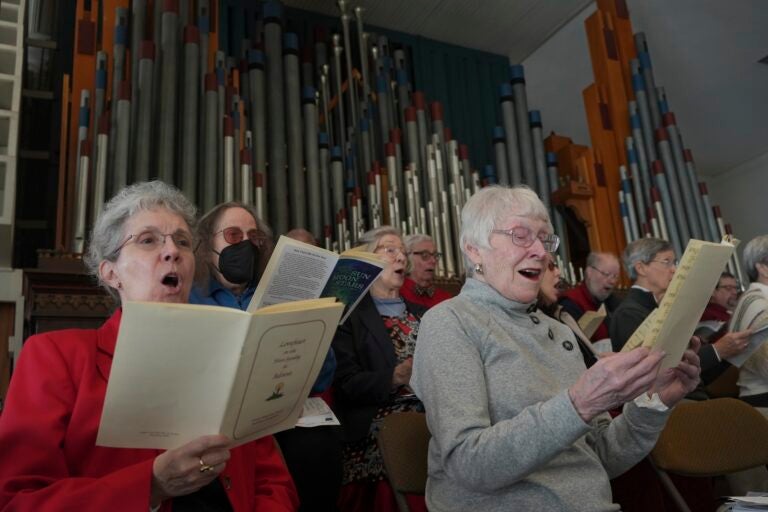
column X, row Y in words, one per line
column 726, row 385
column 712, row 437
column 403, row 441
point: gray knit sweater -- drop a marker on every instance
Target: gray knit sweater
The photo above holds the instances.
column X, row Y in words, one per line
column 505, row 433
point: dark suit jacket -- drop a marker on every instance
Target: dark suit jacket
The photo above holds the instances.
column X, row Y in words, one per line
column 365, row 362
column 637, row 305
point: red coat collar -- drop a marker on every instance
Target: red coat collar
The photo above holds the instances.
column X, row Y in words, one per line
column 106, row 341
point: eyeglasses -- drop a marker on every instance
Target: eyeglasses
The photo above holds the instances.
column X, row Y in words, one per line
column 392, row 250
column 234, row 235
column 666, row 263
column 523, row 237
column 607, row 275
column 152, row 239
column 426, row 255
column 729, row 287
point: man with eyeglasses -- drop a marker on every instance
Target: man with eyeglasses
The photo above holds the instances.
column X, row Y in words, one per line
column 723, row 300
column 419, row 285
column 600, row 279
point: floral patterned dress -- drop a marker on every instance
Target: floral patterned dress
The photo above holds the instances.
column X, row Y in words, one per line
column 362, row 459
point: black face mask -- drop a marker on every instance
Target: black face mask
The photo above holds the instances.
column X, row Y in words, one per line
column 237, row 263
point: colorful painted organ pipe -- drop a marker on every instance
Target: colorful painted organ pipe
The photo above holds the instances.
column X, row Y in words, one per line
column 644, row 60
column 525, row 144
column 169, row 48
column 276, row 177
column 81, row 180
column 100, row 166
column 122, row 136
column 118, row 75
column 258, row 117
column 679, row 218
column 539, row 158
column 625, row 217
column 506, row 101
column 500, row 152
column 189, row 111
column 246, row 174
column 701, row 210
column 627, row 196
column 681, row 174
column 557, row 219
column 296, row 184
column 325, row 181
column 659, row 209
column 99, row 93
column 210, row 183
column 662, row 185
column 311, row 158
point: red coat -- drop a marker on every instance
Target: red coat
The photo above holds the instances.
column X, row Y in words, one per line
column 408, row 292
column 578, row 301
column 48, row 433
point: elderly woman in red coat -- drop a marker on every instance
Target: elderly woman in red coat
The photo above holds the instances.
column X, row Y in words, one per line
column 141, row 249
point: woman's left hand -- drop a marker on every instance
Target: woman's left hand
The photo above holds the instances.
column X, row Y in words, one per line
column 673, row 384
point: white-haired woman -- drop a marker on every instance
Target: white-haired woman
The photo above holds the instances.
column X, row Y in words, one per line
column 517, row 421
column 141, row 248
column 374, row 350
column 752, row 313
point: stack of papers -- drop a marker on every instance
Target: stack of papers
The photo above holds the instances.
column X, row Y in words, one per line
column 753, row 501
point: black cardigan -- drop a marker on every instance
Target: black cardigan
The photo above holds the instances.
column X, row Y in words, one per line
column 637, row 305
column 365, row 362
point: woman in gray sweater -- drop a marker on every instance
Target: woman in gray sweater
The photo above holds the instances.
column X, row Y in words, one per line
column 518, row 422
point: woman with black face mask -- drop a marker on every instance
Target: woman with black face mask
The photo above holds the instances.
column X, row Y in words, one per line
column 234, row 248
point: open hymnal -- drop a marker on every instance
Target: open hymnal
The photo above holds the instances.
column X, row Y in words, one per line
column 671, row 325
column 181, row 371
column 590, row 321
column 758, row 337
column 299, row 271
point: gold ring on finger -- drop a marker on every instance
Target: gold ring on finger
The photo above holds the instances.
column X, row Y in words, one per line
column 204, row 468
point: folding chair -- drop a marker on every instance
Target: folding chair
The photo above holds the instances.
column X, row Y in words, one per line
column 710, row 438
column 725, row 386
column 403, row 440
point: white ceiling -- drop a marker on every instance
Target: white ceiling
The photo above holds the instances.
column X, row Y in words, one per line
column 508, row 27
column 704, row 53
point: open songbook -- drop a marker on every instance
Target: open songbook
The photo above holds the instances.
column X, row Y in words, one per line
column 671, row 325
column 759, row 327
column 590, row 321
column 181, row 371
column 299, row 271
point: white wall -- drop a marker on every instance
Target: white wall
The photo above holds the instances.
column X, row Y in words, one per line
column 555, row 75
column 742, row 194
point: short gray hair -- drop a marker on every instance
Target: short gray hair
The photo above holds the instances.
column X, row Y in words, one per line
column 411, row 240
column 371, row 237
column 490, row 205
column 643, row 250
column 756, row 251
column 107, row 234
